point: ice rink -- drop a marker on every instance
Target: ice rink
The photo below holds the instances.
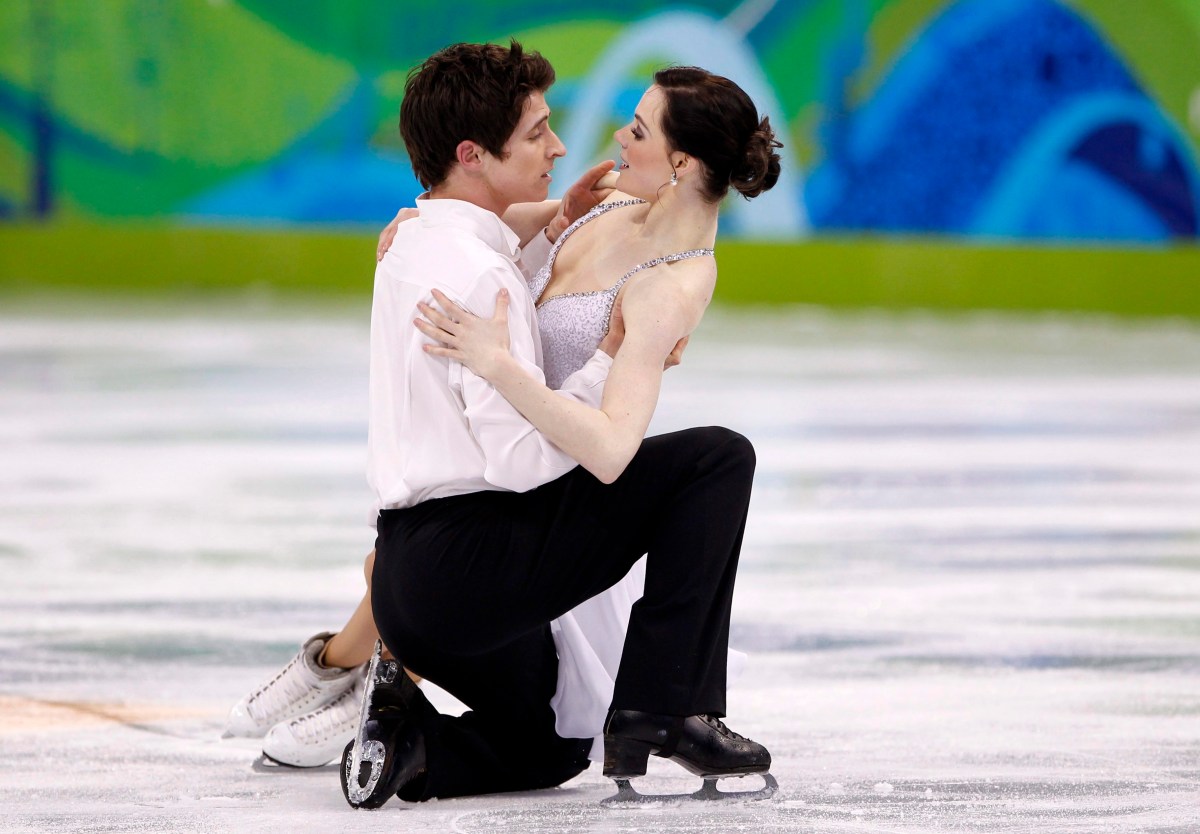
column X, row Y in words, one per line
column 970, row 588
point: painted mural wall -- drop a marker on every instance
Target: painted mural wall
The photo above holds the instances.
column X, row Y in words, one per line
column 1020, row 119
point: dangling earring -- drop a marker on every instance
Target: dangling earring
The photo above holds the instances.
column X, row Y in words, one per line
column 674, row 178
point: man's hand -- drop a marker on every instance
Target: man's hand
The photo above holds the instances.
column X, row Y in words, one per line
column 612, row 340
column 593, row 187
column 676, row 354
column 389, row 231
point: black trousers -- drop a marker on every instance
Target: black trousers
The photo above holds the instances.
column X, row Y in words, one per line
column 465, row 587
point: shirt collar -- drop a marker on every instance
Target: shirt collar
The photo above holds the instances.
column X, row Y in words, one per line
column 480, row 222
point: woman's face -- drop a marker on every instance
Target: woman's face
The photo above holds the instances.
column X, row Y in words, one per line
column 645, row 164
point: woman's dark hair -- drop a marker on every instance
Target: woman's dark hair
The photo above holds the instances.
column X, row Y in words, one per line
column 711, row 118
column 467, row 91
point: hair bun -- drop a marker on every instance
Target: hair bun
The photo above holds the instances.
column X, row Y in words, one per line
column 758, row 169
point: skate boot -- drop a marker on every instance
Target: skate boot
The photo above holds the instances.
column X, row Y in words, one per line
column 301, row 686
column 702, row 744
column 317, row 737
column 387, row 755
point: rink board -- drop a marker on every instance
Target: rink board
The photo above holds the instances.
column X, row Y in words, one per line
column 840, row 272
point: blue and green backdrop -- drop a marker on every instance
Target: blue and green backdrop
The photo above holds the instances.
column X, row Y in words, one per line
column 944, row 153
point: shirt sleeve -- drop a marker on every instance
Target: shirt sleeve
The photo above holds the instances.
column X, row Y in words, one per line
column 517, row 456
column 534, row 254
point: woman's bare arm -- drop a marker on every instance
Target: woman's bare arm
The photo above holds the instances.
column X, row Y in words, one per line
column 528, row 219
column 657, row 314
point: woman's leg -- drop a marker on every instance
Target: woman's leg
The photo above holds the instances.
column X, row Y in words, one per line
column 327, row 666
column 354, row 644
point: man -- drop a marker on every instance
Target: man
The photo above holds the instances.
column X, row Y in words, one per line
column 487, row 530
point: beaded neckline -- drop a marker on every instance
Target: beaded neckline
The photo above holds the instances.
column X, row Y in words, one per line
column 596, row 211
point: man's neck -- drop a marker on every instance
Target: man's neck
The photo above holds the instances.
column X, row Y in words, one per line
column 469, row 192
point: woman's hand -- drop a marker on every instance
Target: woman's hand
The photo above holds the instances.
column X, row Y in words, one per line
column 389, row 231
column 480, row 344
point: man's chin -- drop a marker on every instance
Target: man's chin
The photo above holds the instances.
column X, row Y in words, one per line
column 530, row 192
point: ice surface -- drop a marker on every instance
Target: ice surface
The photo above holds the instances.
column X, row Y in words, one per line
column 970, row 587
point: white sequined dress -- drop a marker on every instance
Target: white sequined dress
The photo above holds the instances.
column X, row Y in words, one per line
column 573, row 323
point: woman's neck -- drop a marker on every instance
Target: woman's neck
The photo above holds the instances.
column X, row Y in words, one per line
column 681, row 220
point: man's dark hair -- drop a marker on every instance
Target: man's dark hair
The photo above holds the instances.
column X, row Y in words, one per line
column 468, row 91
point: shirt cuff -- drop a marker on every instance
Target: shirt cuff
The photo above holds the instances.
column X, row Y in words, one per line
column 600, row 361
column 535, row 253
column 595, row 370
column 587, row 384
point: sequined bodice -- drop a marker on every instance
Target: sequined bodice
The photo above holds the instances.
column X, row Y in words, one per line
column 572, row 324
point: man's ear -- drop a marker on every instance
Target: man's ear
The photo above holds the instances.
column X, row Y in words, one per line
column 469, row 155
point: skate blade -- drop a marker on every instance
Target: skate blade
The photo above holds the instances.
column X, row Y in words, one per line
column 265, row 764
column 627, row 794
column 362, row 753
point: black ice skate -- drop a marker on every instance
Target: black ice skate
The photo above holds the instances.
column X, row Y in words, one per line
column 388, row 752
column 700, row 743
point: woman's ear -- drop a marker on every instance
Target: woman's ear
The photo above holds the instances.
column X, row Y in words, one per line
column 682, row 164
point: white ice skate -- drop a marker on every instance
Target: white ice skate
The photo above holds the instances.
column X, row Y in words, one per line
column 303, row 685
column 317, row 737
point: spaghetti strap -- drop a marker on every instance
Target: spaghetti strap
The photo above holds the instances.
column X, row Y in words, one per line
column 539, row 282
column 572, row 324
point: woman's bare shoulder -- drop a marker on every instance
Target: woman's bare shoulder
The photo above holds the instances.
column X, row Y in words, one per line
column 685, row 286
column 695, row 274
column 700, row 265
column 617, row 197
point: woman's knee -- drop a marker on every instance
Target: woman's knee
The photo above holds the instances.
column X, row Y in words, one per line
column 730, row 446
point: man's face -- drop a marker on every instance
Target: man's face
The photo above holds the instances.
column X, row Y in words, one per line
column 523, row 175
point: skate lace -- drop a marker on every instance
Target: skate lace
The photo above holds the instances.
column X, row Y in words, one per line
column 279, row 693
column 331, row 719
column 718, row 725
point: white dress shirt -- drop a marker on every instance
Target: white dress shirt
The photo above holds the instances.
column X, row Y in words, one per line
column 436, row 429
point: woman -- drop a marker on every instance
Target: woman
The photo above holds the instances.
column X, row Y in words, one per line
column 642, row 259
